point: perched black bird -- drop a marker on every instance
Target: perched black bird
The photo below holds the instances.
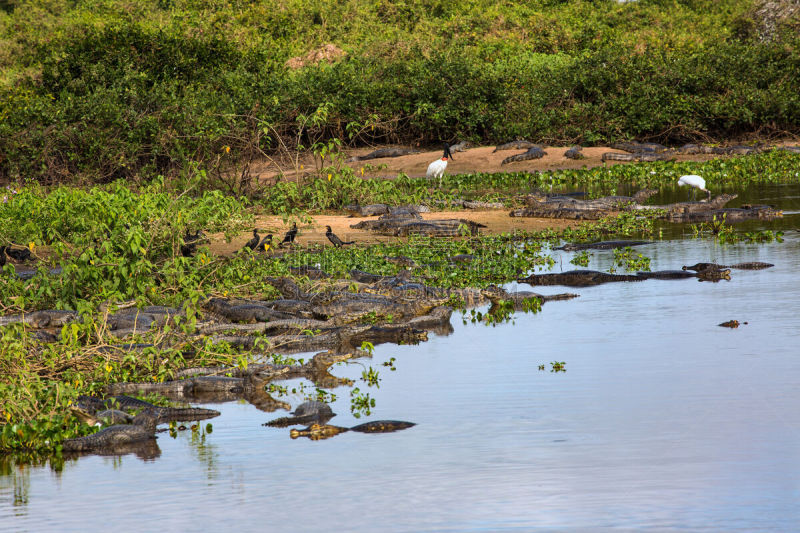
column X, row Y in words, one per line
column 265, row 244
column 290, row 235
column 337, row 242
column 252, row 243
column 18, row 254
column 2, row 255
column 190, row 242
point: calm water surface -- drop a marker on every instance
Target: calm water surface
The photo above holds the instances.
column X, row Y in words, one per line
column 662, row 421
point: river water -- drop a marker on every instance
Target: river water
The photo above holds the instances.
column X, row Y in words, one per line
column 663, row 420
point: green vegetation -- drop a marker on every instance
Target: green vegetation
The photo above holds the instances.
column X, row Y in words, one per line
column 99, row 90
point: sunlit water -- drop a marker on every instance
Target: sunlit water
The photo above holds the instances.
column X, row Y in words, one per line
column 663, row 420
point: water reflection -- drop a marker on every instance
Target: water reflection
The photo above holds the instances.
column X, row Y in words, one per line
column 663, row 420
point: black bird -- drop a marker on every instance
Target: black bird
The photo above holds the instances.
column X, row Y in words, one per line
column 265, row 243
column 290, row 235
column 190, row 242
column 337, row 242
column 18, row 254
column 2, row 255
column 252, row 243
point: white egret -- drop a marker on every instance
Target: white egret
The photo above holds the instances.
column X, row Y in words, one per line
column 695, row 182
column 436, row 169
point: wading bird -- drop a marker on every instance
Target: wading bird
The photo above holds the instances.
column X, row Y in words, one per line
column 265, row 244
column 336, row 241
column 252, row 243
column 436, row 169
column 290, row 235
column 695, row 182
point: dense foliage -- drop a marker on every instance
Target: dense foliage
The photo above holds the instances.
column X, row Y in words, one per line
column 106, row 89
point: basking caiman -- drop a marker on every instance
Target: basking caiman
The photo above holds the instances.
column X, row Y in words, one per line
column 574, row 153
column 516, row 145
column 638, row 156
column 384, row 152
column 141, row 429
column 534, row 152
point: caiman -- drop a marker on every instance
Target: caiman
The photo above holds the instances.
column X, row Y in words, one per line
column 752, row 265
column 602, row 245
column 462, row 146
column 384, row 152
column 516, row 145
column 574, row 153
column 638, row 156
column 310, row 412
column 521, row 298
column 534, row 152
column 97, row 406
column 141, row 429
column 635, row 147
column 577, row 278
column 321, row 431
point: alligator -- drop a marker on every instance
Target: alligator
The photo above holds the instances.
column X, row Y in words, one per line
column 384, row 152
column 142, row 428
column 323, row 431
column 517, row 145
column 310, row 412
column 638, row 156
column 574, row 153
column 752, row 265
column 577, row 278
column 534, row 152
column 602, row 245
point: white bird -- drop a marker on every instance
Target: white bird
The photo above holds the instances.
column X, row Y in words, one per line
column 694, row 181
column 436, row 169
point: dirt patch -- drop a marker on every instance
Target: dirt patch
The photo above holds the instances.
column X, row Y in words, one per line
column 327, row 52
column 497, row 221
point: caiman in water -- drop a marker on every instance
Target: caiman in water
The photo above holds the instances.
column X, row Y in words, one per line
column 322, row 431
column 141, row 429
column 578, row 278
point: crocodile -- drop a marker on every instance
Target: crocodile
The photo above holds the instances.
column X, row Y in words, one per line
column 142, row 428
column 638, row 156
column 602, row 245
column 574, row 153
column 535, row 152
column 384, row 152
column 324, row 431
column 516, row 145
column 306, row 413
column 577, row 278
